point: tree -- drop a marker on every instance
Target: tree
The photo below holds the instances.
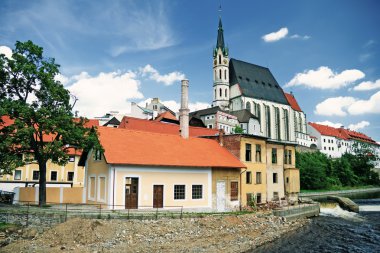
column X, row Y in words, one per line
column 40, row 115
column 238, row 130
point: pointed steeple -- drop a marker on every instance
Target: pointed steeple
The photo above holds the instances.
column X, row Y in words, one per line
column 220, row 41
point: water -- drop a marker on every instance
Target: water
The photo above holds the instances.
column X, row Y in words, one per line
column 335, row 230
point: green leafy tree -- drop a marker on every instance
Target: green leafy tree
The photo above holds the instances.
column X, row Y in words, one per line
column 40, row 109
column 238, row 130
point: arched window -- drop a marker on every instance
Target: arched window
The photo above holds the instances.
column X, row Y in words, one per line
column 225, row 74
column 215, row 93
column 225, row 92
column 220, row 74
column 220, row 59
column 248, row 106
column 220, row 92
column 215, row 74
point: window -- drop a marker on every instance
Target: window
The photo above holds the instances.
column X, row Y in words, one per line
column 258, row 198
column 36, row 175
column 258, row 177
column 92, row 188
column 225, row 92
column 289, row 157
column 225, row 75
column 287, row 180
column 248, row 106
column 220, row 92
column 97, row 155
column 277, row 122
column 249, row 177
column 220, row 76
column 197, row 192
column 71, row 158
column 258, row 153
column 275, row 178
column 324, row 148
column 324, row 140
column 220, row 59
column 286, row 124
column 215, row 93
column 53, row 176
column 274, row 155
column 17, row 175
column 267, row 120
column 209, row 126
column 179, row 191
column 70, row 176
column 275, row 196
column 248, row 152
column 154, row 107
column 234, row 191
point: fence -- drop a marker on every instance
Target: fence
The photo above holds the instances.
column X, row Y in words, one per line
column 53, row 194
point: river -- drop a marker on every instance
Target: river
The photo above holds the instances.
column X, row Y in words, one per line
column 335, row 230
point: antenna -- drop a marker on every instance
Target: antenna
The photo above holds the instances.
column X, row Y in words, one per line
column 220, row 8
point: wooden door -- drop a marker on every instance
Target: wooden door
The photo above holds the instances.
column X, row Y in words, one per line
column 158, row 196
column 131, row 193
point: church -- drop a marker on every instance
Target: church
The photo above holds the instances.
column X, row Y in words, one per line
column 242, row 88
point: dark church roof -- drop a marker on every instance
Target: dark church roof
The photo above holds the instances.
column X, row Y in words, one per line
column 243, row 116
column 206, row 111
column 256, row 81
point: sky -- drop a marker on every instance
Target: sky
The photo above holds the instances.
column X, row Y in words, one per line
column 112, row 53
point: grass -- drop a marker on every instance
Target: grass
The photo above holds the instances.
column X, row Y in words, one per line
column 340, row 188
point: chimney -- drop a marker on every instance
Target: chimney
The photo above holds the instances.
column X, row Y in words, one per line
column 221, row 137
column 184, row 110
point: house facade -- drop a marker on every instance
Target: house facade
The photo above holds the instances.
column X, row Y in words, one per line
column 154, row 170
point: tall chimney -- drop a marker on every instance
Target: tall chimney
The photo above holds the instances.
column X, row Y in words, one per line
column 184, row 110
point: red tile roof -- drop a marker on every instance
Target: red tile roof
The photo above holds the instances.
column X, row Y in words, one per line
column 123, row 146
column 330, row 131
column 165, row 115
column 342, row 133
column 164, row 128
column 292, row 101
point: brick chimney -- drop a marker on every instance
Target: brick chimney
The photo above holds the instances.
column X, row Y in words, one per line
column 221, row 137
column 184, row 110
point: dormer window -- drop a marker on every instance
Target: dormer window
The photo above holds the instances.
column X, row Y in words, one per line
column 98, row 155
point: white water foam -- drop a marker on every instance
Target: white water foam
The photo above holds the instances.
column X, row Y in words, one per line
column 369, row 208
column 339, row 212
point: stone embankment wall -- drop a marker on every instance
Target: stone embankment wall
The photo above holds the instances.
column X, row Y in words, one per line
column 358, row 193
column 298, row 211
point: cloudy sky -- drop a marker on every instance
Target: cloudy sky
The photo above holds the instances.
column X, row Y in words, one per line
column 114, row 52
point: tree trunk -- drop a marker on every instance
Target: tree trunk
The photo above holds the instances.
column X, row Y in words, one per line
column 42, row 182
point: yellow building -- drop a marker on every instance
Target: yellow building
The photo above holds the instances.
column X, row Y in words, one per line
column 28, row 175
column 153, row 170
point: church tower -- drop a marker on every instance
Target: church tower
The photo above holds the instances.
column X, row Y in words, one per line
column 221, row 92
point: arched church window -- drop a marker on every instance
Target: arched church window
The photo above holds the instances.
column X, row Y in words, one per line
column 215, row 93
column 225, row 74
column 248, row 106
column 225, row 92
column 215, row 74
column 220, row 59
column 220, row 74
column 220, row 92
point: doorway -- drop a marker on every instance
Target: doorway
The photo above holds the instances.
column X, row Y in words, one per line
column 158, row 196
column 131, row 192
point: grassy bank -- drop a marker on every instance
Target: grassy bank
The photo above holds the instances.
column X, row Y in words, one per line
column 343, row 188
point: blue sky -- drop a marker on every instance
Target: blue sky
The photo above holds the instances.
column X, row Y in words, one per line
column 114, row 52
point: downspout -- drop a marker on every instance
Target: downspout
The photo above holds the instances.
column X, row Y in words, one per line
column 113, row 191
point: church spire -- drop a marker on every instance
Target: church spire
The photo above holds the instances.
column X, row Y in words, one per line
column 220, row 41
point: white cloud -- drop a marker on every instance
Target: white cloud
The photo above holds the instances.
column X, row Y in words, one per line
column 359, row 125
column 364, row 57
column 368, row 85
column 62, row 78
column 301, row 37
column 275, row 36
column 104, row 92
column 372, row 105
column 342, row 106
column 325, row 78
column 6, row 51
column 167, row 79
column 329, row 123
column 334, row 106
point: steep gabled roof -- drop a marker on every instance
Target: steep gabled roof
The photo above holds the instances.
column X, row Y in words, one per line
column 166, row 115
column 164, row 128
column 207, row 111
column 329, row 131
column 123, row 146
column 113, row 121
column 243, row 115
column 359, row 136
column 293, row 102
column 256, row 82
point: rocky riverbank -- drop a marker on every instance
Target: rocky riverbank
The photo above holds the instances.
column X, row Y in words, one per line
column 209, row 234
